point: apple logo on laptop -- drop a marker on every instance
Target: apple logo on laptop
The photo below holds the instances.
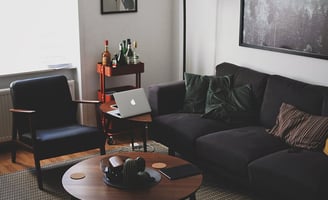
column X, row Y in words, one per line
column 133, row 102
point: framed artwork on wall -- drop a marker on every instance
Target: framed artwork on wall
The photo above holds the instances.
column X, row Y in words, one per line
column 118, row 6
column 289, row 26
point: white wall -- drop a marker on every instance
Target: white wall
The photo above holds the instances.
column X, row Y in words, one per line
column 156, row 28
column 213, row 37
column 306, row 69
column 201, row 36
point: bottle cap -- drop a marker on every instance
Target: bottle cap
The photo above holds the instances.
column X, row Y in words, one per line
column 106, row 42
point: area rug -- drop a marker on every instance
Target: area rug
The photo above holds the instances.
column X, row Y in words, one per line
column 23, row 185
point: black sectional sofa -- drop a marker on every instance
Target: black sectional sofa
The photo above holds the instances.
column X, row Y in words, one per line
column 247, row 153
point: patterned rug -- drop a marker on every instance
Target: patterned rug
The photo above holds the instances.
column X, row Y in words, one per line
column 22, row 185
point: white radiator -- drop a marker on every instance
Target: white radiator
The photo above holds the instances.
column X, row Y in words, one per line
column 5, row 115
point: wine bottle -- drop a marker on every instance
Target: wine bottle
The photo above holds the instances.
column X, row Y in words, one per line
column 124, row 46
column 135, row 55
column 129, row 53
column 121, row 60
column 106, row 57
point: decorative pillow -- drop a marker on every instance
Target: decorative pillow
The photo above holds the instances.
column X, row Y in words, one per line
column 196, row 89
column 233, row 106
column 288, row 118
column 300, row 129
column 217, row 91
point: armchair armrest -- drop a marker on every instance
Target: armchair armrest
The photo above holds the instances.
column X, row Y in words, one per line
column 166, row 97
column 29, row 116
column 21, row 111
column 98, row 112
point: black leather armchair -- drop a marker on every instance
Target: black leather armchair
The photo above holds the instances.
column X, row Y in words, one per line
column 45, row 120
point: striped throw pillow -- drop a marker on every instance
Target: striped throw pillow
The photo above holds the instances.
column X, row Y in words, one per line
column 288, row 118
column 300, row 129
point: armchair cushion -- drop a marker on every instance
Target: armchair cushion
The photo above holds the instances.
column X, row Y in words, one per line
column 65, row 139
column 51, row 100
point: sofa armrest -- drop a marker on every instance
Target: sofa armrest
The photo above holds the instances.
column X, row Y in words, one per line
column 166, row 97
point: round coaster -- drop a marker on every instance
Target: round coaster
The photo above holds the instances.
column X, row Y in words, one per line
column 158, row 165
column 77, row 176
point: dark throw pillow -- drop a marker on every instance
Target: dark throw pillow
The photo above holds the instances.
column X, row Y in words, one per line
column 196, row 89
column 300, row 129
column 233, row 106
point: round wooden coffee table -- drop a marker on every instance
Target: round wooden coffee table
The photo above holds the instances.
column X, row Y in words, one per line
column 92, row 185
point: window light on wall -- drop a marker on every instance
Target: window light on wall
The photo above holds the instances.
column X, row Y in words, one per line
column 38, row 33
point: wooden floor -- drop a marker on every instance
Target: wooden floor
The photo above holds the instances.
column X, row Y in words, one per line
column 25, row 159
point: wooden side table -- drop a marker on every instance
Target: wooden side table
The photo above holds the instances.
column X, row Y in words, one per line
column 144, row 119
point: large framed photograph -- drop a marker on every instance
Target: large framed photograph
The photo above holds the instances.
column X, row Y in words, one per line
column 289, row 26
column 118, row 6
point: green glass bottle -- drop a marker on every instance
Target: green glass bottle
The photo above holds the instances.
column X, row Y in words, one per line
column 129, row 53
column 121, row 59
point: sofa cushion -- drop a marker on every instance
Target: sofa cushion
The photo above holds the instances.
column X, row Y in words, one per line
column 234, row 149
column 234, row 106
column 217, row 92
column 166, row 97
column 243, row 76
column 280, row 89
column 180, row 130
column 325, row 101
column 300, row 129
column 196, row 90
column 301, row 175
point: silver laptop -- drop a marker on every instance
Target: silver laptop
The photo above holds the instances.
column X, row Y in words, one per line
column 130, row 103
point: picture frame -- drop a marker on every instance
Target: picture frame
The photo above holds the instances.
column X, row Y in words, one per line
column 118, row 6
column 295, row 27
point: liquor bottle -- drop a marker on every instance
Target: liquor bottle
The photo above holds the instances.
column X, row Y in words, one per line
column 124, row 46
column 129, row 53
column 135, row 55
column 121, row 60
column 114, row 61
column 106, row 57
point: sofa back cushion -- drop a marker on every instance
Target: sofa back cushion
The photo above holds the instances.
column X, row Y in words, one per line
column 243, row 76
column 280, row 89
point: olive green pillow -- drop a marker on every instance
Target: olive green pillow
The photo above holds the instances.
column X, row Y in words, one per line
column 231, row 105
column 196, row 89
